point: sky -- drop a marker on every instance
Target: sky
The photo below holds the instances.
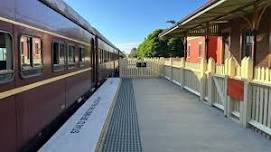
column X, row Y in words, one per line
column 127, row 22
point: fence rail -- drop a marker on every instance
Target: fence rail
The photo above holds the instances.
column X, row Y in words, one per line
column 129, row 68
column 209, row 81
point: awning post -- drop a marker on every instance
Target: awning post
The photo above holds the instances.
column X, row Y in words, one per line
column 254, row 33
column 207, row 41
column 185, row 46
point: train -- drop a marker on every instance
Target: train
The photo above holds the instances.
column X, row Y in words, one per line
column 50, row 58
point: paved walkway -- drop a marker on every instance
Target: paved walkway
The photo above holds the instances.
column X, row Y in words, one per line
column 173, row 120
column 156, row 116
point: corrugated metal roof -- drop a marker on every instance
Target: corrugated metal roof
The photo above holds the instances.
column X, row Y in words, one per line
column 213, row 11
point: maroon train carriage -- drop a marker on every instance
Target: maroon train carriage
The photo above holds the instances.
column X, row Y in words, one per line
column 49, row 58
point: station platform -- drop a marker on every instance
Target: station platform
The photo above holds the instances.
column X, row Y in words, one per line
column 151, row 115
column 154, row 115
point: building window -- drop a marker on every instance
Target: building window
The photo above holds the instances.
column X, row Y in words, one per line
column 58, row 52
column 200, row 50
column 188, row 50
column 31, row 56
column 6, row 66
column 71, row 56
column 82, row 57
column 248, row 40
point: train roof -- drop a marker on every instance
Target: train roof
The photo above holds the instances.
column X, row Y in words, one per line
column 64, row 9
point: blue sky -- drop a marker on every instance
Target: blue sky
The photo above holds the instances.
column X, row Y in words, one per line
column 127, row 22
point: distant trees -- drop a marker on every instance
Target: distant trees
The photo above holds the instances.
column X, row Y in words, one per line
column 153, row 46
column 133, row 53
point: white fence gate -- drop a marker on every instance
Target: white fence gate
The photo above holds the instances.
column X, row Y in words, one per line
column 130, row 68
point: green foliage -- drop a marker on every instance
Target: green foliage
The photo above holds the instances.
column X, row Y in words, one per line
column 133, row 53
column 153, row 46
column 175, row 47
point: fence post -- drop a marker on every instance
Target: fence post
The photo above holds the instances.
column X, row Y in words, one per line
column 210, row 73
column 182, row 72
column 202, row 79
column 247, row 75
column 171, row 69
column 227, row 104
column 246, row 112
column 161, row 66
column 231, row 72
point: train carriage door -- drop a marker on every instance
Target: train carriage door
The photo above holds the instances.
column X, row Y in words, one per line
column 93, row 65
column 8, row 131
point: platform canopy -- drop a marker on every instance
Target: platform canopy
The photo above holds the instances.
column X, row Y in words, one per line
column 211, row 16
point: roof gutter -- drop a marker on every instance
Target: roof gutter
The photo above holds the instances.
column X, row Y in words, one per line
column 194, row 15
column 202, row 12
column 170, row 30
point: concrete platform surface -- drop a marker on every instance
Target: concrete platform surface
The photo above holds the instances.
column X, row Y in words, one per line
column 82, row 131
column 173, row 120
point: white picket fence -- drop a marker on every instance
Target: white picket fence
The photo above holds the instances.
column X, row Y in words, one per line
column 260, row 104
column 208, row 80
column 128, row 68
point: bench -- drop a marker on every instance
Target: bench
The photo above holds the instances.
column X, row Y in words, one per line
column 86, row 129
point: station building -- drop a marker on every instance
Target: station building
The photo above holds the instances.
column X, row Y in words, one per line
column 227, row 28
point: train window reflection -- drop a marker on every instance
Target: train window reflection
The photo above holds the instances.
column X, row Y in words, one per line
column 100, row 56
column 71, row 56
column 36, row 54
column 31, row 56
column 58, row 56
column 82, row 56
column 6, row 72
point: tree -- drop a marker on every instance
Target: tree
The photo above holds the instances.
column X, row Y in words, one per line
column 175, row 47
column 153, row 46
column 133, row 53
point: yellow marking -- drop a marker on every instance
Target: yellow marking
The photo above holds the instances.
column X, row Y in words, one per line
column 38, row 84
column 41, row 30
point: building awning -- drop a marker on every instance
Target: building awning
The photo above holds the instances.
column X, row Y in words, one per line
column 212, row 15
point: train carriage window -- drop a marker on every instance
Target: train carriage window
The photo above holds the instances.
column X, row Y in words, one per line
column 105, row 56
column 31, row 56
column 6, row 69
column 58, row 57
column 101, row 56
column 71, row 56
column 82, row 57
